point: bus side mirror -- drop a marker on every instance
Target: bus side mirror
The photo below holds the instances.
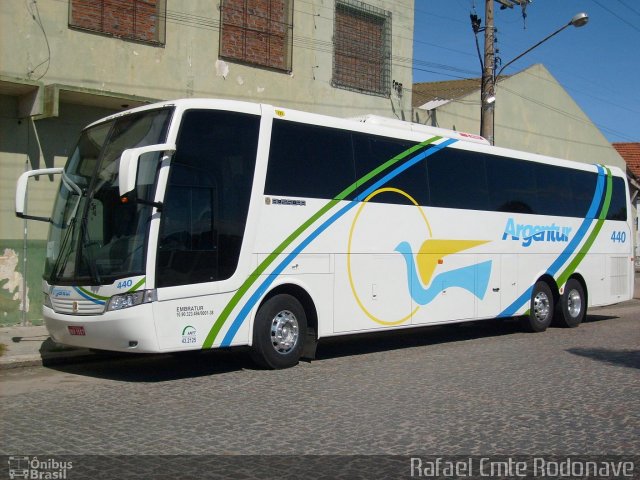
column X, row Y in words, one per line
column 21, row 191
column 129, row 165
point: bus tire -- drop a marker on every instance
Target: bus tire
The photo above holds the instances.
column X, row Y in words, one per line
column 573, row 305
column 540, row 308
column 279, row 331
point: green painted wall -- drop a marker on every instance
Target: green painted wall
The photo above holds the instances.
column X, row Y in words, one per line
column 11, row 256
column 27, row 144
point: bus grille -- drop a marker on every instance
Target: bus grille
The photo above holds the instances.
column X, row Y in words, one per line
column 82, row 307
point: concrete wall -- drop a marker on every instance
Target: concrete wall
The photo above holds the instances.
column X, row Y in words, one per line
column 97, row 71
column 532, row 113
column 188, row 65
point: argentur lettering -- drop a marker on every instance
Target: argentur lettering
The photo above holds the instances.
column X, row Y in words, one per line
column 535, row 233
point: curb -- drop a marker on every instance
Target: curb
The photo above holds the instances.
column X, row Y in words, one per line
column 50, row 354
column 49, row 359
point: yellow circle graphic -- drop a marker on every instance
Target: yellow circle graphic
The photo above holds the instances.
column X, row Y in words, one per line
column 352, row 229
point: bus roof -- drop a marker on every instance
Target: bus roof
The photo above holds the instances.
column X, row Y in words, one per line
column 375, row 120
column 419, row 128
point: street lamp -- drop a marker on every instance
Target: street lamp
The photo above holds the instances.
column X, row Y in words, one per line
column 489, row 95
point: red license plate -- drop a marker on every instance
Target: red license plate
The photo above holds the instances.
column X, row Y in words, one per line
column 76, row 330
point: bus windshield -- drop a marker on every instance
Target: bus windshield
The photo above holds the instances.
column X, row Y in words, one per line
column 94, row 238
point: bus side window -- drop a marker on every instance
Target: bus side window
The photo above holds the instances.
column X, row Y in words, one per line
column 207, row 198
column 583, row 188
column 512, row 185
column 618, row 206
column 372, row 151
column 554, row 190
column 309, row 161
column 457, row 179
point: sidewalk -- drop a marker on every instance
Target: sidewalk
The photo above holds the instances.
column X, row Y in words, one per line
column 31, row 346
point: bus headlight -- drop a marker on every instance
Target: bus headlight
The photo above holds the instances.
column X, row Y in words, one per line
column 131, row 299
column 47, row 301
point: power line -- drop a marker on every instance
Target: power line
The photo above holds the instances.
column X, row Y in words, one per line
column 323, row 45
column 513, row 128
column 582, row 92
column 198, row 21
column 564, row 113
column 629, row 7
column 203, row 22
column 36, row 18
column 622, row 19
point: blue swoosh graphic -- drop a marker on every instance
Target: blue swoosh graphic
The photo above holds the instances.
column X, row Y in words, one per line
column 474, row 278
column 569, row 249
column 82, row 294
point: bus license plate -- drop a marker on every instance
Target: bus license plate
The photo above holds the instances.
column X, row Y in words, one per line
column 76, row 330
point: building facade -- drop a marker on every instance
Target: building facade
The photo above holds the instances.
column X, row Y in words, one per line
column 533, row 113
column 67, row 63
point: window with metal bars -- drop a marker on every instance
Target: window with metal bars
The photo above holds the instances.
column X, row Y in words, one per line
column 257, row 32
column 139, row 20
column 362, row 48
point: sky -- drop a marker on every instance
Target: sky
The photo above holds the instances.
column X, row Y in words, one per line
column 597, row 64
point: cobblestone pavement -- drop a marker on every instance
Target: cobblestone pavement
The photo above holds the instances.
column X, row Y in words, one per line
column 469, row 389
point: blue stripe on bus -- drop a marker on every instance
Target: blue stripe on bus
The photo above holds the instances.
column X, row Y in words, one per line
column 568, row 251
column 82, row 294
column 260, row 291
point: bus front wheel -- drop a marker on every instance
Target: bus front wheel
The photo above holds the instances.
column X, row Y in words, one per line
column 279, row 331
column 540, row 308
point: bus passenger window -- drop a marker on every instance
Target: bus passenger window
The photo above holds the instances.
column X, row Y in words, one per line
column 207, row 197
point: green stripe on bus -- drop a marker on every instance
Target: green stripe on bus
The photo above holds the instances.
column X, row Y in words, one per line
column 137, row 285
column 99, row 297
column 564, row 276
column 217, row 326
column 92, row 295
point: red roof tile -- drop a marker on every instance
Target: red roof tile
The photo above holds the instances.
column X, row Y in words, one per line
column 631, row 154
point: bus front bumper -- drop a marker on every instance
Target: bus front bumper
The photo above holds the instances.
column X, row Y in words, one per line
column 128, row 330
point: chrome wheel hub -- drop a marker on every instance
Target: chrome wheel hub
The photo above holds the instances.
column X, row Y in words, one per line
column 574, row 303
column 284, row 332
column 541, row 306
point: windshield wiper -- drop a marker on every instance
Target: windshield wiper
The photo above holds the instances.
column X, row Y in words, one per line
column 87, row 253
column 57, row 267
column 70, row 227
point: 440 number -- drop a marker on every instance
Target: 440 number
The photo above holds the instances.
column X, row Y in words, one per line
column 125, row 284
column 618, row 237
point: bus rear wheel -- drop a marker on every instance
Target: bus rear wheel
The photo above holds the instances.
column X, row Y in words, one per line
column 540, row 308
column 573, row 305
column 279, row 331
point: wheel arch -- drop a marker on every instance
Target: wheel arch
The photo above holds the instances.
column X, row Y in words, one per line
column 553, row 285
column 310, row 310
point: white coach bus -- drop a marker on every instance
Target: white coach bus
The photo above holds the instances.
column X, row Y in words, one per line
column 198, row 224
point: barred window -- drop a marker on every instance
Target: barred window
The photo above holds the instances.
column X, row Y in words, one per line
column 257, row 32
column 139, row 20
column 362, row 50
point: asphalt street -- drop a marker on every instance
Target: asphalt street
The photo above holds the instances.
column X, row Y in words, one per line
column 480, row 388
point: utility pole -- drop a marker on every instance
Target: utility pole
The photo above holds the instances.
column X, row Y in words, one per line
column 487, row 86
column 489, row 77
